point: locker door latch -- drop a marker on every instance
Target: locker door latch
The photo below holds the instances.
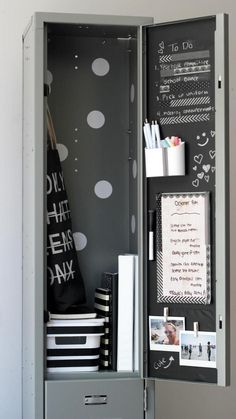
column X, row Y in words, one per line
column 95, row 400
column 145, row 399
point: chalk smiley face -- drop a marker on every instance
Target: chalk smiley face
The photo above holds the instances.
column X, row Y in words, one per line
column 202, row 140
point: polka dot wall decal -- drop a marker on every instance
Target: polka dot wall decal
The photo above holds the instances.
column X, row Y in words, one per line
column 80, row 241
column 62, row 151
column 133, row 224
column 132, row 93
column 49, row 77
column 95, row 119
column 103, row 189
column 134, row 169
column 100, row 67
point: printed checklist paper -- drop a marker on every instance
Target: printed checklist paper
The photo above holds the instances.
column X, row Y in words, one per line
column 183, row 250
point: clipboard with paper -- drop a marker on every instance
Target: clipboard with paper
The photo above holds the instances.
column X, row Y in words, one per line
column 183, row 248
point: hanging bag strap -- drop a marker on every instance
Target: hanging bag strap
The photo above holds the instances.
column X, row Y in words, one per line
column 50, row 130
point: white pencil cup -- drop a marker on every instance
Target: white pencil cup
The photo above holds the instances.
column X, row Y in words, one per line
column 155, row 162
column 176, row 160
column 165, row 161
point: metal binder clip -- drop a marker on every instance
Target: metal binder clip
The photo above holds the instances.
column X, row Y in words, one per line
column 196, row 328
column 166, row 313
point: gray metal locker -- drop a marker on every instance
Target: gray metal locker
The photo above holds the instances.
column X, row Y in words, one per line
column 67, row 45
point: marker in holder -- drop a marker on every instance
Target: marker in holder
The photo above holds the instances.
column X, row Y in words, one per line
column 151, row 230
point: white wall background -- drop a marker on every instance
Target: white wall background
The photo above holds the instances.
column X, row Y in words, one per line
column 174, row 401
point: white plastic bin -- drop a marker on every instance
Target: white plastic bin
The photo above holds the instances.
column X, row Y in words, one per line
column 73, row 345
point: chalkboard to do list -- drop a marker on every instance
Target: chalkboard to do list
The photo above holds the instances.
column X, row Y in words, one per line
column 183, row 248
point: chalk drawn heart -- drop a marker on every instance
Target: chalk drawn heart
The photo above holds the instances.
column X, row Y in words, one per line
column 206, row 167
column 212, row 154
column 195, row 183
column 207, row 177
column 213, row 169
column 200, row 175
column 213, row 133
column 198, row 158
column 195, row 168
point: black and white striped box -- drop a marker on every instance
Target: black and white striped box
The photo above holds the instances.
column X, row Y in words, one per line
column 102, row 306
column 74, row 345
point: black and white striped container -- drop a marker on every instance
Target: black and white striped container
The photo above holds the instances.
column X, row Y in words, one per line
column 102, row 306
column 74, row 345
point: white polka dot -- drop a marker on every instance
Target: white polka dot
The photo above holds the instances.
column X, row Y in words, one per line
column 80, row 241
column 100, row 66
column 95, row 119
column 134, row 168
column 49, row 77
column 132, row 93
column 103, row 189
column 63, row 151
column 133, row 224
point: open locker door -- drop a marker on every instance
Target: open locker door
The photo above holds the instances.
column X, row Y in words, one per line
column 185, row 293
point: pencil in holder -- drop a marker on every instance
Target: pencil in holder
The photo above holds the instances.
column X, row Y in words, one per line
column 176, row 160
column 155, row 162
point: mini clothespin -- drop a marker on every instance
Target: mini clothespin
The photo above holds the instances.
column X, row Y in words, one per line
column 196, row 328
column 166, row 313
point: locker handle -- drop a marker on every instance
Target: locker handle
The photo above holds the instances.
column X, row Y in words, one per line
column 95, row 400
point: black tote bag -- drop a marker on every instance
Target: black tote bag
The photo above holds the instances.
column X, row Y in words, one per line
column 65, row 286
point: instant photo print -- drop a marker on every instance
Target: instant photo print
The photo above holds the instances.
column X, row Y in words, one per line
column 165, row 333
column 198, row 350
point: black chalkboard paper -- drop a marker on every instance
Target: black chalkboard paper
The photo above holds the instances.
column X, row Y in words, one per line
column 180, row 95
